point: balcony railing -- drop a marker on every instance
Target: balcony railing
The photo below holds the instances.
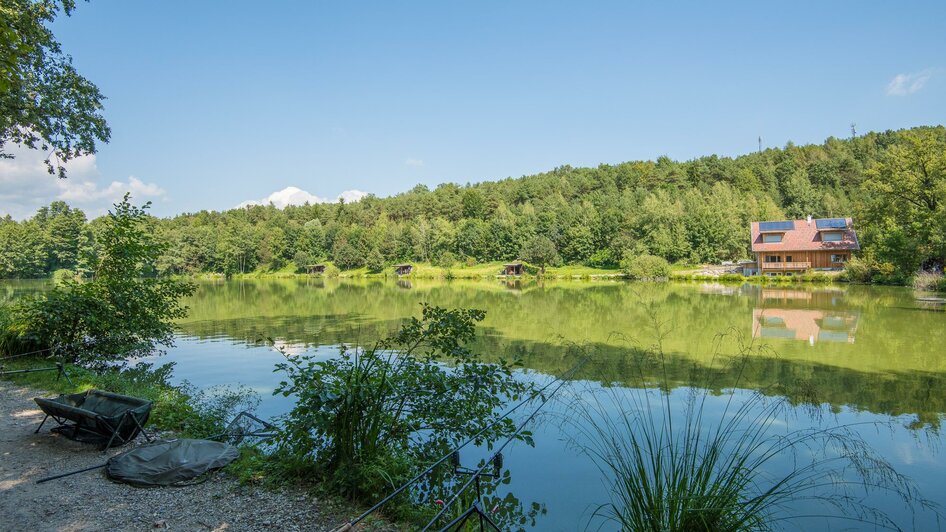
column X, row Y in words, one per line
column 786, row 265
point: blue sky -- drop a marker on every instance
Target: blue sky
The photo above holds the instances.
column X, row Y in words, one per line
column 215, row 103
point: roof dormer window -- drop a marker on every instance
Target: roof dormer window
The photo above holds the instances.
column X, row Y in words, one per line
column 831, row 236
column 772, row 238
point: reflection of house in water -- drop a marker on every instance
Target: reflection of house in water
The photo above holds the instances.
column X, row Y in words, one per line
column 811, row 325
column 818, row 315
column 402, row 283
column 799, row 297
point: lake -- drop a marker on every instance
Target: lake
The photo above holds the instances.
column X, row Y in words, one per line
column 869, row 357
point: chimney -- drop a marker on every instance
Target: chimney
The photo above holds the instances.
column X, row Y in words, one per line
column 809, row 220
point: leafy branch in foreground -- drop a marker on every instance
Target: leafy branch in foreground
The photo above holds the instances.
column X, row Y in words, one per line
column 363, row 420
column 44, row 103
column 692, row 460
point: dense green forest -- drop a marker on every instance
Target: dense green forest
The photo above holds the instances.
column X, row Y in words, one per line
column 892, row 183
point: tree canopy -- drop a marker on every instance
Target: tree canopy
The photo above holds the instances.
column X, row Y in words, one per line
column 45, row 103
column 892, row 184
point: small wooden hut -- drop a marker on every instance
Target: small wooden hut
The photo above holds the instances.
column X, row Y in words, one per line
column 403, row 269
column 514, row 268
column 315, row 268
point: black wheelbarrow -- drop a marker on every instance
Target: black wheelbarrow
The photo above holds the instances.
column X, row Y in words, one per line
column 95, row 416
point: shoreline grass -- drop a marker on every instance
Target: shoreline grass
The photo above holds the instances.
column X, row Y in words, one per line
column 180, row 409
column 709, row 460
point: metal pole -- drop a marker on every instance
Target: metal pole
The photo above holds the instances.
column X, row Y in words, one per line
column 54, row 477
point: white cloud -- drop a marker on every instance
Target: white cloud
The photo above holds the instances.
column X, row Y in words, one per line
column 25, row 185
column 414, row 162
column 297, row 196
column 904, row 84
column 351, row 196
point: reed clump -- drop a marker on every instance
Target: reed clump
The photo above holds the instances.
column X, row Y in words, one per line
column 703, row 459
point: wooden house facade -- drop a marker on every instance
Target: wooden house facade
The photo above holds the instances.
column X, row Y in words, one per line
column 795, row 246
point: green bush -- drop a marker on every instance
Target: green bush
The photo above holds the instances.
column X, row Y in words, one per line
column 62, row 275
column 331, row 270
column 123, row 312
column 867, row 269
column 445, row 260
column 645, row 267
column 364, row 421
column 602, row 259
column 732, row 278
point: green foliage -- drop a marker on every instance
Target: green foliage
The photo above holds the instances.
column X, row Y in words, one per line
column 122, row 312
column 905, row 202
column 62, row 276
column 179, row 408
column 645, row 267
column 363, row 420
column 540, row 251
column 445, row 260
column 375, row 261
column 44, row 103
column 696, row 211
column 731, row 278
column 867, row 269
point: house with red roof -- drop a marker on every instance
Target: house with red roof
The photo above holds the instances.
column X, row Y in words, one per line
column 795, row 246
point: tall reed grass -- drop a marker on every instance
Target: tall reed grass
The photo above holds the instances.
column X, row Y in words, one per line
column 698, row 460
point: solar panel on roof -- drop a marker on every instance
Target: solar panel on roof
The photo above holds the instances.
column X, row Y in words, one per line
column 776, row 226
column 831, row 223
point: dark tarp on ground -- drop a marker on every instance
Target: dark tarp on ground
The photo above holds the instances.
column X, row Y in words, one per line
column 169, row 462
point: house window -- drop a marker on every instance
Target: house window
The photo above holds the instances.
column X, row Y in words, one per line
column 831, row 237
column 773, row 258
column 838, row 259
column 788, row 258
column 772, row 238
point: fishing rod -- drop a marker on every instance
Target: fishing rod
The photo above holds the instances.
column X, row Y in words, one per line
column 28, row 353
column 563, row 378
column 492, row 459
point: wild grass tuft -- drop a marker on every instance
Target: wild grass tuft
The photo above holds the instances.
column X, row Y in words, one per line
column 724, row 461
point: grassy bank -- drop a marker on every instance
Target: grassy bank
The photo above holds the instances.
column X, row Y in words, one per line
column 177, row 408
column 735, row 278
column 426, row 270
column 493, row 270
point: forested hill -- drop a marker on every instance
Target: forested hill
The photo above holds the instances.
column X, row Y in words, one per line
column 892, row 183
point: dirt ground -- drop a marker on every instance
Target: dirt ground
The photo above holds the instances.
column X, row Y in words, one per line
column 89, row 501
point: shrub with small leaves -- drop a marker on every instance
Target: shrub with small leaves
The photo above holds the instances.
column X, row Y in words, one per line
column 363, row 419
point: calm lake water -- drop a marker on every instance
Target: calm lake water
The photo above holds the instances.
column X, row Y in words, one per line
column 870, row 357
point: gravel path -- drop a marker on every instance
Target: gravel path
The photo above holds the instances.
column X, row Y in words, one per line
column 88, row 501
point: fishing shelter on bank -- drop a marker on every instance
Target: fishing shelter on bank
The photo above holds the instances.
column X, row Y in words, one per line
column 514, row 268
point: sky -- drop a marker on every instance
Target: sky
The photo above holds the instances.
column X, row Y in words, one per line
column 216, row 104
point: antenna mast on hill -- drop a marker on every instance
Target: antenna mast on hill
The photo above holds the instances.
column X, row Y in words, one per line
column 853, row 130
column 760, row 143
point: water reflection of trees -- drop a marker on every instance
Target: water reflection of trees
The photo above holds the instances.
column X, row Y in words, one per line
column 894, row 367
